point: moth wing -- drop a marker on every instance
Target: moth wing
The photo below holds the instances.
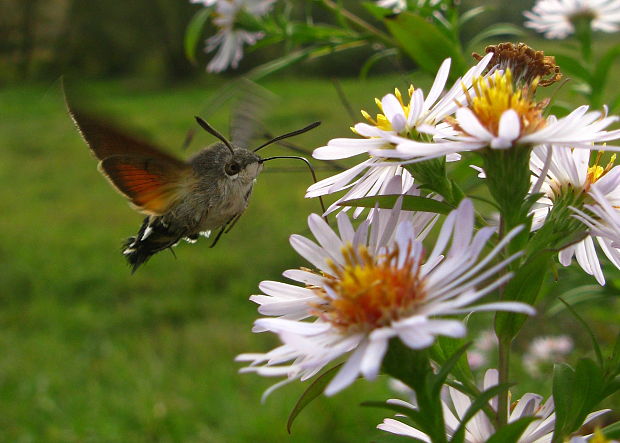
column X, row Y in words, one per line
column 151, row 184
column 106, row 140
column 246, row 123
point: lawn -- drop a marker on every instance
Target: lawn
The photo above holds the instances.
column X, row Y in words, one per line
column 91, row 353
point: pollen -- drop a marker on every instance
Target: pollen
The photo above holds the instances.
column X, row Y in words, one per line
column 369, row 292
column 496, row 94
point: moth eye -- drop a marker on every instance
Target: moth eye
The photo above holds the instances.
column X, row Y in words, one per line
column 232, row 168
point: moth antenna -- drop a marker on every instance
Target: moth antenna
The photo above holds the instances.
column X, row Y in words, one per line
column 211, row 130
column 287, row 135
column 305, row 160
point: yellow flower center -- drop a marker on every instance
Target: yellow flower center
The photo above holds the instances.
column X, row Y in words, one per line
column 596, row 171
column 599, row 437
column 496, row 94
column 381, row 121
column 370, row 292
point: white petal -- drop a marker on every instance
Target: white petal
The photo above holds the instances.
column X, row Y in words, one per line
column 346, row 147
column 349, row 371
column 470, row 124
column 394, row 112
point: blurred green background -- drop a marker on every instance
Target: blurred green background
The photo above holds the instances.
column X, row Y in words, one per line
column 90, row 353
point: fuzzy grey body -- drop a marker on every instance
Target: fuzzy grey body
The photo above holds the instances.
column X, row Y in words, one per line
column 218, row 192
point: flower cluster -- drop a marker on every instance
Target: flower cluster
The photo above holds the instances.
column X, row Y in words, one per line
column 376, row 291
column 392, row 292
column 566, row 175
column 230, row 38
column 413, row 117
column 557, row 18
column 480, row 428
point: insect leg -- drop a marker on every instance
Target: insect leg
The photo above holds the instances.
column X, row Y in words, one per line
column 232, row 223
column 225, row 229
column 219, row 234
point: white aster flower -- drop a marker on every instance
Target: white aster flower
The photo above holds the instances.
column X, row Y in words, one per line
column 545, row 351
column 397, row 117
column 476, row 359
column 479, row 429
column 483, row 344
column 548, row 347
column 394, row 5
column 373, row 286
column 500, row 116
column 569, row 171
column 229, row 39
column 603, row 218
column 606, row 220
column 556, row 18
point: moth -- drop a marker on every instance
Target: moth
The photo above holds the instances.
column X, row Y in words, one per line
column 182, row 200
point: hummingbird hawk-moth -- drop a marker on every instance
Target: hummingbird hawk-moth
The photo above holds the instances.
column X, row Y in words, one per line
column 182, row 200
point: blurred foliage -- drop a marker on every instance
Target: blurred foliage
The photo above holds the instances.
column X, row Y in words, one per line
column 43, row 40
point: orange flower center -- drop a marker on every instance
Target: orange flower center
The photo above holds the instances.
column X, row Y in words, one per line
column 370, row 292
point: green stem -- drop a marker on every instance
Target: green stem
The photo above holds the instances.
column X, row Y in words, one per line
column 360, row 23
column 503, row 369
column 503, row 350
column 414, row 369
column 583, row 32
column 508, row 180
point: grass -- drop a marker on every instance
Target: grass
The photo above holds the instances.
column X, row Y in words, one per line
column 91, row 353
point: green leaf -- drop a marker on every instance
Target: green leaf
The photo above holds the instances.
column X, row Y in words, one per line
column 410, row 203
column 377, row 11
column 595, row 345
column 524, row 287
column 512, row 431
column 471, row 14
column 377, row 56
column 580, row 294
column 612, row 387
column 314, row 390
column 589, row 378
column 614, row 104
column 575, row 393
column 612, row 431
column 450, row 346
column 301, row 33
column 280, row 63
column 563, row 384
column 573, row 67
column 407, row 365
column 479, row 402
column 439, row 379
column 614, row 359
column 194, row 31
column 425, row 43
column 601, row 71
column 496, row 30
